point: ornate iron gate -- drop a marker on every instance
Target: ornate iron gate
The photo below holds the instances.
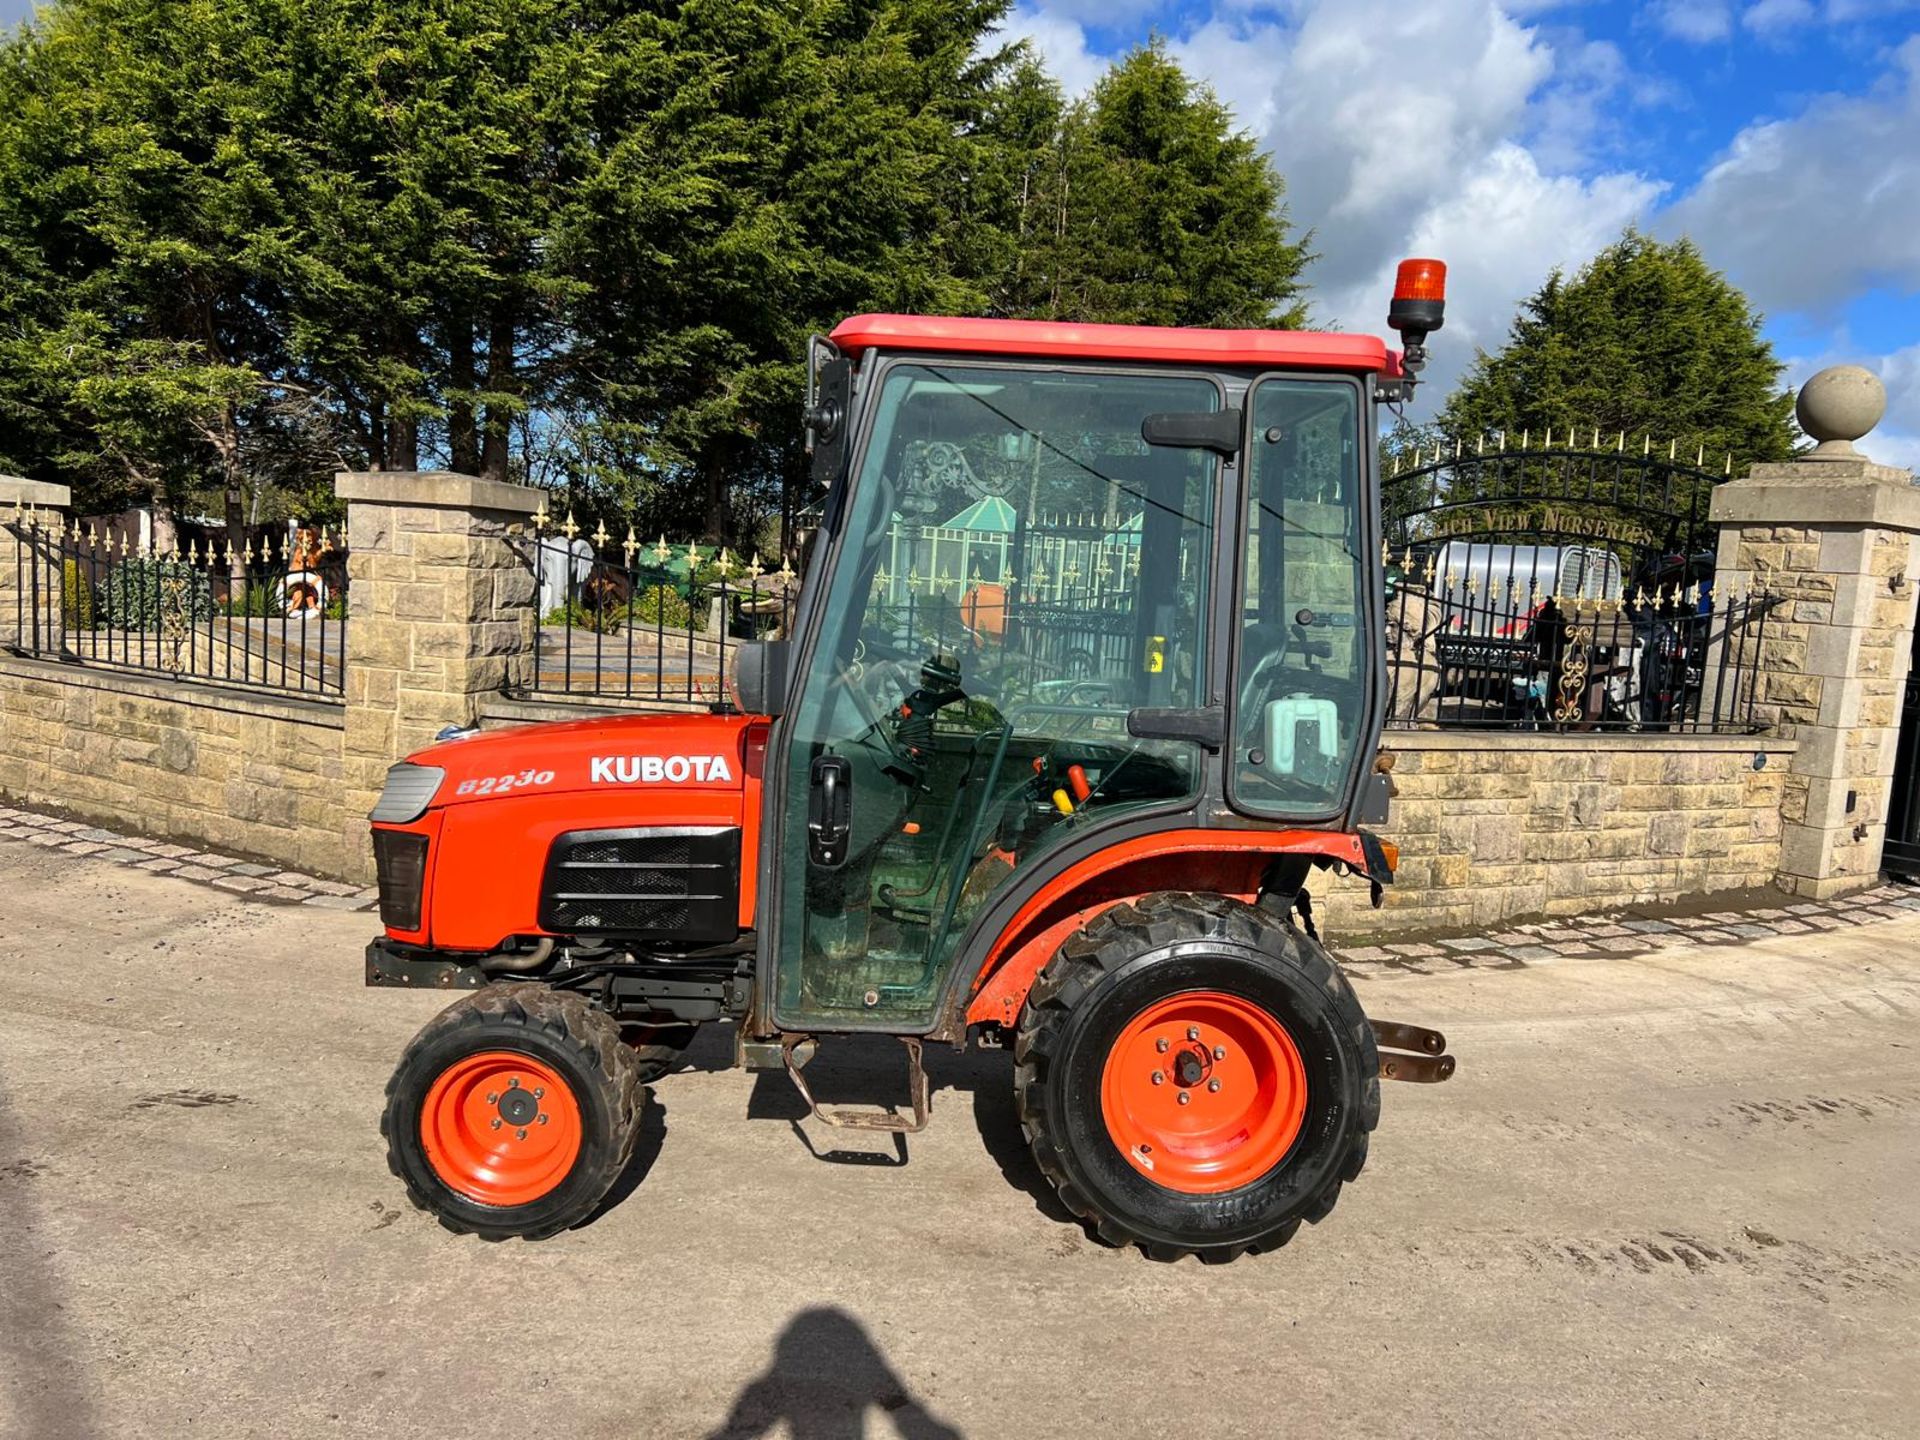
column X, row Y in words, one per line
column 1538, row 587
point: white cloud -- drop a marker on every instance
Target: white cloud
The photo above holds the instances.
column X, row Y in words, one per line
column 1807, row 212
column 1897, row 440
column 1384, row 164
column 1698, row 22
column 1494, row 171
column 1231, row 55
column 1061, row 44
column 1502, row 230
column 1774, row 19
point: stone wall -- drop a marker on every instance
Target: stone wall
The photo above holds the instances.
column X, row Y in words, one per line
column 1494, row 827
column 442, row 596
column 1837, row 542
column 248, row 772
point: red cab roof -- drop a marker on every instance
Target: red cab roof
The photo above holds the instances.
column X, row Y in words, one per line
column 1266, row 349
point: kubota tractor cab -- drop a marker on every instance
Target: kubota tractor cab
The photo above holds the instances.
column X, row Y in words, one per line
column 1083, row 685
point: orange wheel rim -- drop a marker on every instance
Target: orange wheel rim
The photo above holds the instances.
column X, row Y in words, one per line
column 500, row 1128
column 1243, row 1083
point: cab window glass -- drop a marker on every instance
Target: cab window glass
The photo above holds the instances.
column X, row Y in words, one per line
column 1300, row 673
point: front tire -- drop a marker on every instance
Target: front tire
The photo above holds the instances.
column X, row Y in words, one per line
column 513, row 1112
column 1244, row 1016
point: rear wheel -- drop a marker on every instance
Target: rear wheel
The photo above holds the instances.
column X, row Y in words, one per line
column 512, row 1112
column 1196, row 1076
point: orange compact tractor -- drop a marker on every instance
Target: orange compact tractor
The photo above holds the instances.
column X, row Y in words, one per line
column 1083, row 683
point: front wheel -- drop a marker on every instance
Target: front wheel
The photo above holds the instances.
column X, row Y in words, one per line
column 513, row 1112
column 1195, row 1076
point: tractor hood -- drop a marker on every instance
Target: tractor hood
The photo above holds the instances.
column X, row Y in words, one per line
column 631, row 752
column 466, row 830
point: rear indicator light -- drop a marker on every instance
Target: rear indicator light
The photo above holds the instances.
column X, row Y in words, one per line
column 400, row 863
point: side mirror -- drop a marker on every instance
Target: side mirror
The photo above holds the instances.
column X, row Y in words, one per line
column 757, row 678
column 829, row 409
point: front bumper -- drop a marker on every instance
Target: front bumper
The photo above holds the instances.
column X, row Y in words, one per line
column 393, row 966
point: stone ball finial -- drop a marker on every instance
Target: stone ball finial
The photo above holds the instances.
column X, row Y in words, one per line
column 1838, row 406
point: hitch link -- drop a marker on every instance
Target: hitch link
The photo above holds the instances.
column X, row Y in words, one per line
column 865, row 1119
column 1426, row 1065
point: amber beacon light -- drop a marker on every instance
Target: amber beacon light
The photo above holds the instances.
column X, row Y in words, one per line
column 1419, row 307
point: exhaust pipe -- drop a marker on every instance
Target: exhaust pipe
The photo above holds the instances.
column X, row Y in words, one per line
column 508, row 962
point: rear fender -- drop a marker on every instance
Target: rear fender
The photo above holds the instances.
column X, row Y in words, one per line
column 1219, row 862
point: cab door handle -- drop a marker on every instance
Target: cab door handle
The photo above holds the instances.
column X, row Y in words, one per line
column 830, row 811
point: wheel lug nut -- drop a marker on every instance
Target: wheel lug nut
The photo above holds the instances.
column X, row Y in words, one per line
column 539, row 1092
column 496, row 1122
column 1185, row 1097
column 1161, row 1044
column 1214, row 1085
column 520, row 1134
column 1219, row 1052
column 543, row 1118
column 1159, row 1078
column 514, row 1083
column 1193, row 1032
column 493, row 1097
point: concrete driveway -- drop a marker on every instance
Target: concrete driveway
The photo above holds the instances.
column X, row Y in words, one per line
column 1668, row 1194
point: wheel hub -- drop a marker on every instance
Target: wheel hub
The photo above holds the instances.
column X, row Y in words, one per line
column 500, row 1128
column 518, row 1106
column 1236, row 1103
column 1192, row 1067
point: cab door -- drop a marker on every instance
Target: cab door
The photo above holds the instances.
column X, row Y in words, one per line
column 1307, row 666
column 1013, row 571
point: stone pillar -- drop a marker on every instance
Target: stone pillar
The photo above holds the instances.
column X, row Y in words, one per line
column 441, row 596
column 31, row 511
column 1837, row 538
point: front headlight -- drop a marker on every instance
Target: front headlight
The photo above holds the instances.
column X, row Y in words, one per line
column 400, row 864
column 409, row 790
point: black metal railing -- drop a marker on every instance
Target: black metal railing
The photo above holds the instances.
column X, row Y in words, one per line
column 1549, row 586
column 268, row 614
column 1674, row 659
column 651, row 622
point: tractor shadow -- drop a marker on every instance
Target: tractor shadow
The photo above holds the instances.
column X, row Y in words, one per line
column 825, row 1377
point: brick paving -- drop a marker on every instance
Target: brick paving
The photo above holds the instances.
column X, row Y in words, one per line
column 1614, row 934
column 267, row 883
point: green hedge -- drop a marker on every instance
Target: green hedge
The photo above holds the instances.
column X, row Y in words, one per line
column 136, row 594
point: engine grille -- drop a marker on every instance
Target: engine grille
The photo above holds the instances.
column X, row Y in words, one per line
column 678, row 883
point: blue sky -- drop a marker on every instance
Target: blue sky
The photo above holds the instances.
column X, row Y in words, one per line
column 1783, row 135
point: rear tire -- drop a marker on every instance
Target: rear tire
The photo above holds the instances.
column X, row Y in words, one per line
column 1238, row 1166
column 513, row 1112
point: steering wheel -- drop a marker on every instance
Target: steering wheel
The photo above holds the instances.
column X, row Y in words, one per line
column 853, row 680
